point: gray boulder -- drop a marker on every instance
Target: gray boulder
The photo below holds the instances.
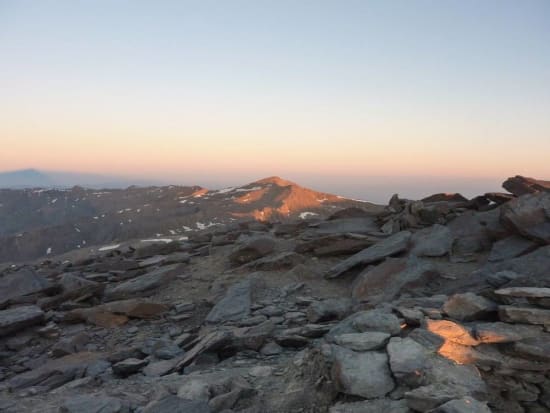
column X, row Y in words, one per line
column 529, row 216
column 392, row 245
column 511, row 247
column 96, row 403
column 434, row 241
column 145, row 284
column 463, row 405
column 361, row 374
column 174, row 404
column 234, row 306
column 469, row 306
column 386, row 281
column 21, row 283
column 18, row 318
column 330, row 309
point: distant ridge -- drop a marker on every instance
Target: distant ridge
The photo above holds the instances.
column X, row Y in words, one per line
column 25, row 178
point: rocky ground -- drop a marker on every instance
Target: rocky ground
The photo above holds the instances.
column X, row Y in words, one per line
column 440, row 305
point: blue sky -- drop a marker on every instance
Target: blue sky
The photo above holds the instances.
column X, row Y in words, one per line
column 303, row 89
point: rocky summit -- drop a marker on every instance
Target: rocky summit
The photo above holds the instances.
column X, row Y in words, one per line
column 437, row 305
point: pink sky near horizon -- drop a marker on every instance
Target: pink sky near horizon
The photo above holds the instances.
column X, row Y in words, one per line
column 162, row 91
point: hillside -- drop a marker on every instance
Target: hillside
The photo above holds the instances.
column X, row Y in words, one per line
column 440, row 305
column 44, row 222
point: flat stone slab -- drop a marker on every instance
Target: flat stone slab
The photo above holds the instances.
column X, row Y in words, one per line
column 390, row 246
column 18, row 318
column 526, row 292
column 364, row 374
column 527, row 315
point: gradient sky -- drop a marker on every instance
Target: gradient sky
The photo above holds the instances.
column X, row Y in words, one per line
column 315, row 91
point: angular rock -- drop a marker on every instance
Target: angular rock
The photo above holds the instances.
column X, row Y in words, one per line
column 520, row 185
column 234, row 306
column 526, row 315
column 463, row 405
column 408, row 360
column 426, row 398
column 173, row 404
column 372, row 406
column 100, row 315
column 127, row 367
column 529, row 216
column 469, row 306
column 511, row 247
column 362, row 341
column 390, row 246
column 280, row 261
column 21, row 283
column 91, row 404
column 524, row 292
column 55, row 372
column 252, row 250
column 145, row 284
column 18, row 318
column 361, row 374
column 386, row 281
column 534, row 348
column 434, row 241
column 492, row 333
column 330, row 309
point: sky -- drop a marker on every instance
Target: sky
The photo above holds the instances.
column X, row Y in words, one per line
column 347, row 94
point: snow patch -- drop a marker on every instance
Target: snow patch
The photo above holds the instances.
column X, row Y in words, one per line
column 165, row 240
column 306, row 214
column 109, row 247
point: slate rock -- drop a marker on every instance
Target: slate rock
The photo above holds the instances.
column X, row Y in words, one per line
column 252, row 250
column 529, row 216
column 145, row 284
column 511, row 247
column 330, row 309
column 469, row 306
column 18, row 318
column 386, row 281
column 362, row 341
column 463, row 405
column 372, row 406
column 92, row 404
column 21, row 283
column 392, row 245
column 129, row 366
column 363, row 374
column 174, row 404
column 234, row 306
column 434, row 241
column 526, row 315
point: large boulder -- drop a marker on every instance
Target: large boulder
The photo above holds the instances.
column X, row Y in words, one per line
column 330, row 309
column 132, row 308
column 18, row 318
column 361, row 374
column 96, row 403
column 520, row 185
column 145, row 284
column 372, row 406
column 252, row 250
column 529, row 216
column 22, row 283
column 386, row 281
column 434, row 241
column 234, row 306
column 511, row 247
column 469, row 306
column 392, row 245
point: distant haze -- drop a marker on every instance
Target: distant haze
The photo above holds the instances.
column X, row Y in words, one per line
column 376, row 188
column 336, row 95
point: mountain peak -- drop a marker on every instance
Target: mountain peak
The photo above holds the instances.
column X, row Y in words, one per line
column 275, row 180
